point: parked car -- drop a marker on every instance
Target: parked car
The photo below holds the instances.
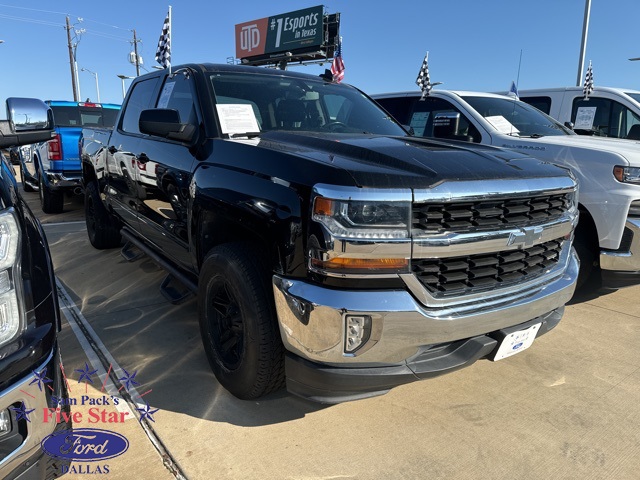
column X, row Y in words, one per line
column 30, row 363
column 14, row 155
column 325, row 245
column 54, row 166
column 608, row 112
column 608, row 235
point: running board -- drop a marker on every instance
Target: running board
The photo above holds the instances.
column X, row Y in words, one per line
column 129, row 254
column 173, row 290
column 169, row 287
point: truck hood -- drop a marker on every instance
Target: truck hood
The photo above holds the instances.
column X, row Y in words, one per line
column 575, row 146
column 407, row 162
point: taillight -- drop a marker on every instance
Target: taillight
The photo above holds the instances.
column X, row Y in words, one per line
column 54, row 148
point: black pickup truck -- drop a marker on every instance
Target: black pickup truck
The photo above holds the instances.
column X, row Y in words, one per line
column 328, row 249
column 31, row 378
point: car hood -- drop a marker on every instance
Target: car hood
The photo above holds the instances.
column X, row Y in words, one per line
column 628, row 149
column 407, row 162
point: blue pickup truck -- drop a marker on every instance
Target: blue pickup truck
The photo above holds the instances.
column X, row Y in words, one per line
column 53, row 167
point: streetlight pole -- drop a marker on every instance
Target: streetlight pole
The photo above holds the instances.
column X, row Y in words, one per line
column 96, row 77
column 583, row 46
column 123, row 78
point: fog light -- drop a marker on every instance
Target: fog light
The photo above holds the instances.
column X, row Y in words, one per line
column 358, row 330
column 5, row 422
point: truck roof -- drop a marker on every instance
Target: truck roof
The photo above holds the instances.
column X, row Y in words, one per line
column 575, row 89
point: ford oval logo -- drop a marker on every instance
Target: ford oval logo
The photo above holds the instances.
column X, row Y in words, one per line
column 517, row 346
column 85, row 444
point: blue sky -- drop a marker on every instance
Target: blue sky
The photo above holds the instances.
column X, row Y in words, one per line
column 473, row 45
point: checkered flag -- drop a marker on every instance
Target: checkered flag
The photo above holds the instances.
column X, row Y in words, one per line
column 588, row 82
column 423, row 81
column 163, row 53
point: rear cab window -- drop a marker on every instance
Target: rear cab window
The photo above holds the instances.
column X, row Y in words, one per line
column 84, row 114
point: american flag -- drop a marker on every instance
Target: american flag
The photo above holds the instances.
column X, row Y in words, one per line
column 337, row 67
column 423, row 80
column 588, row 82
column 163, row 53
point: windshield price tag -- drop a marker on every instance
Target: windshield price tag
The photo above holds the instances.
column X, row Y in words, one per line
column 237, row 118
column 502, row 124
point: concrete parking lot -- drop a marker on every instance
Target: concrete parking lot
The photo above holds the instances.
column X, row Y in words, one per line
column 568, row 407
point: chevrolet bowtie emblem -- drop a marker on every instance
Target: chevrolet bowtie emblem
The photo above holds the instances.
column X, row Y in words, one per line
column 526, row 237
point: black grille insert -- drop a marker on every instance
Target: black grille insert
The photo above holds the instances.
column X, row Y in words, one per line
column 488, row 214
column 462, row 275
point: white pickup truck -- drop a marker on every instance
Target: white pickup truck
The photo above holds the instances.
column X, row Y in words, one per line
column 608, row 112
column 608, row 171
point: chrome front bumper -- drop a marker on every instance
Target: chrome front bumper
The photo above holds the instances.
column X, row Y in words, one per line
column 312, row 318
column 624, row 261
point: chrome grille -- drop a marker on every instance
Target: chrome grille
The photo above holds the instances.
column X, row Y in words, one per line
column 429, row 218
column 462, row 275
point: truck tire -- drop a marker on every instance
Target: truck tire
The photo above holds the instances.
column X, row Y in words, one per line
column 102, row 230
column 237, row 322
column 586, row 245
column 25, row 186
column 50, row 201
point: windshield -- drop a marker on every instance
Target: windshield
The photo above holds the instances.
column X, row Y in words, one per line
column 266, row 102
column 635, row 96
column 517, row 118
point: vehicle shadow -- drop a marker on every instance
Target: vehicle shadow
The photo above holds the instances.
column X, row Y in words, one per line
column 146, row 334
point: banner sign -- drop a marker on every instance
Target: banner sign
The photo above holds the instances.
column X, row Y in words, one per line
column 287, row 32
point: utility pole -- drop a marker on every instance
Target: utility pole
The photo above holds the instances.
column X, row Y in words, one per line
column 583, row 46
column 135, row 51
column 72, row 62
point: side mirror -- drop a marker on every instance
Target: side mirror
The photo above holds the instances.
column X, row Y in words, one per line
column 165, row 123
column 569, row 125
column 409, row 129
column 29, row 121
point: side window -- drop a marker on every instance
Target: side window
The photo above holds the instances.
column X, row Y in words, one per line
column 451, row 124
column 593, row 116
column 177, row 95
column 541, row 103
column 140, row 99
column 398, row 107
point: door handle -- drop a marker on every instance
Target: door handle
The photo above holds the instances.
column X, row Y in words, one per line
column 142, row 158
column 112, row 149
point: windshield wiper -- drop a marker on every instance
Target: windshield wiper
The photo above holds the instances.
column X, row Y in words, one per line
column 536, row 135
column 246, row 134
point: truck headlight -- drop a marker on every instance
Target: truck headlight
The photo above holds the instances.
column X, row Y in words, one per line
column 367, row 220
column 10, row 318
column 366, row 236
column 627, row 174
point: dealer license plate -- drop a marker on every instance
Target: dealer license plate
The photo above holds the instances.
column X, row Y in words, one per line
column 516, row 342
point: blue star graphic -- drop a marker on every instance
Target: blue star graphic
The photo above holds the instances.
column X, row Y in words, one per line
column 22, row 412
column 146, row 412
column 85, row 373
column 128, row 379
column 40, row 378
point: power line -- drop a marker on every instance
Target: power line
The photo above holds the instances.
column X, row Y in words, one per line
column 65, row 14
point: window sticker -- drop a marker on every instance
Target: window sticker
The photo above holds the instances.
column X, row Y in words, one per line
column 502, row 124
column 585, row 117
column 237, row 118
column 166, row 94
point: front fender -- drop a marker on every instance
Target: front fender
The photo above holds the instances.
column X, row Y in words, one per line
column 230, row 206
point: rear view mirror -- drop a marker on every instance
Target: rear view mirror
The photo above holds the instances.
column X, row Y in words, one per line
column 445, row 124
column 165, row 123
column 29, row 121
column 569, row 125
